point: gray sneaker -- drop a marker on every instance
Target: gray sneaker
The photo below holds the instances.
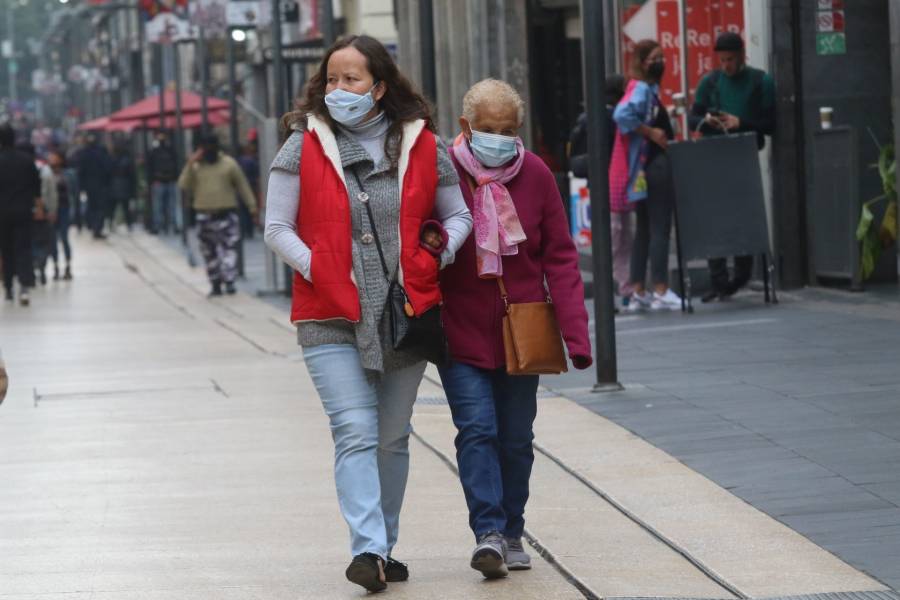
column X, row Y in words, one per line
column 516, row 557
column 489, row 556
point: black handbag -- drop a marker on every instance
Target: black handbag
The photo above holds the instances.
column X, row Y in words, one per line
column 422, row 335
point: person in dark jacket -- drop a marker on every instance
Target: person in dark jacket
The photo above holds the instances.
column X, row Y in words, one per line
column 521, row 238
column 94, row 167
column 57, row 163
column 736, row 98
column 162, row 173
column 577, row 146
column 20, row 190
column 250, row 166
column 123, row 185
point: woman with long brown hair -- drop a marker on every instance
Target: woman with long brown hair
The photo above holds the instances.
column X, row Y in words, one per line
column 363, row 194
column 639, row 174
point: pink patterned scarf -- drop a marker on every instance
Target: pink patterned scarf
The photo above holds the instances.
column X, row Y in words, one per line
column 498, row 231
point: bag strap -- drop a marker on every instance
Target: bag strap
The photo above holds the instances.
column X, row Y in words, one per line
column 364, row 198
column 503, row 293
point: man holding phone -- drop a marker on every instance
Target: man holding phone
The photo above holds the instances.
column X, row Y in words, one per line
column 735, row 98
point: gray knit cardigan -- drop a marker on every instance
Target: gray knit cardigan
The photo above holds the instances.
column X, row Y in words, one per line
column 371, row 334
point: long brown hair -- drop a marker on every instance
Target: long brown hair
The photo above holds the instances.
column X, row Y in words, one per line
column 401, row 102
column 642, row 50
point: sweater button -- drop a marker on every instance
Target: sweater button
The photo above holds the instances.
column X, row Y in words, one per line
column 367, row 238
column 363, row 197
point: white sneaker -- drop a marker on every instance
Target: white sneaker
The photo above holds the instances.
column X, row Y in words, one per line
column 637, row 303
column 668, row 301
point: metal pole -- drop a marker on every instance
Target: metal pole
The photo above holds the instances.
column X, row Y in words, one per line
column 326, row 22
column 280, row 104
column 426, row 33
column 233, row 130
column 685, row 81
column 162, row 87
column 277, row 63
column 594, row 73
column 201, row 60
column 179, row 144
column 12, row 66
column 142, row 44
column 232, row 94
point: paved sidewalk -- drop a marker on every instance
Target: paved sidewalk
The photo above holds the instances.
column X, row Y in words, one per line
column 159, row 445
column 794, row 408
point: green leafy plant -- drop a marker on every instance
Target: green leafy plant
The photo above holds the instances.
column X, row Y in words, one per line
column 874, row 239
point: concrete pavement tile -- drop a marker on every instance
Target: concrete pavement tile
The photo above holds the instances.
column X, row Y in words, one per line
column 608, row 552
column 757, row 554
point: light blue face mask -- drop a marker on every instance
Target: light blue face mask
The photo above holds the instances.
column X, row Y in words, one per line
column 348, row 108
column 493, row 150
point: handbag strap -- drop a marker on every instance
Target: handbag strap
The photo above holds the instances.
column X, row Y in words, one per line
column 364, row 198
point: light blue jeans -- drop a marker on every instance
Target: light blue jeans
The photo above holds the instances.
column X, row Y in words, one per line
column 370, row 427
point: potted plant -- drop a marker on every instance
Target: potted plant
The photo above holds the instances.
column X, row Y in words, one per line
column 875, row 238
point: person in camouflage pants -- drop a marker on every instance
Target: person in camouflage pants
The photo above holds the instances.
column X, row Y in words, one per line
column 214, row 180
column 219, row 234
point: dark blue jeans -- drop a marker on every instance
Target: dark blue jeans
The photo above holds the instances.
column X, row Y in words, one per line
column 493, row 413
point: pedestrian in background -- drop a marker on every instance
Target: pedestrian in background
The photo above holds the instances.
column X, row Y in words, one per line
column 20, row 190
column 63, row 214
column 732, row 99
column 521, row 240
column 361, row 137
column 94, row 169
column 214, row 181
column 162, row 171
column 4, row 379
column 43, row 231
column 123, row 187
column 621, row 221
column 72, row 156
column 639, row 173
column 250, row 166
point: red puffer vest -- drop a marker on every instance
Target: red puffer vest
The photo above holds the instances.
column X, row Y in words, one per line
column 323, row 223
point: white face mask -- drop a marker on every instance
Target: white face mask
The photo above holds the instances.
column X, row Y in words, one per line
column 348, row 108
column 493, row 150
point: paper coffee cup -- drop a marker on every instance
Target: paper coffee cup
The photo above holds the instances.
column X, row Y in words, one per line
column 825, row 116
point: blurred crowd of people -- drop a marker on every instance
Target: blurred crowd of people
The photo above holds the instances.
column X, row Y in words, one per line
column 51, row 181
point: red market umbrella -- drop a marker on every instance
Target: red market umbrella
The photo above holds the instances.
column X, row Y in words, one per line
column 95, row 124
column 148, row 108
column 189, row 120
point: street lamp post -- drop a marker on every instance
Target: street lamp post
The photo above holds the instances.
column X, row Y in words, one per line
column 277, row 63
column 201, row 60
column 12, row 65
column 594, row 73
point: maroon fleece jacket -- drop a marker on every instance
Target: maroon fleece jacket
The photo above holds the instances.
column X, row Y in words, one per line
column 473, row 310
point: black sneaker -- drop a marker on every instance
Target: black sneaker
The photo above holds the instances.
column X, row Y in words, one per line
column 229, row 288
column 395, row 571
column 709, row 296
column 489, row 556
column 216, row 290
column 365, row 570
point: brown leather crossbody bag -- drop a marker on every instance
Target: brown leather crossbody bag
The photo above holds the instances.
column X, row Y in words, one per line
column 531, row 337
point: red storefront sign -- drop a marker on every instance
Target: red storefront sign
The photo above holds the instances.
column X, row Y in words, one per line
column 661, row 20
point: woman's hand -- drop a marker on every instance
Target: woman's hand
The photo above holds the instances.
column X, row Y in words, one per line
column 581, row 362
column 658, row 137
column 432, row 237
